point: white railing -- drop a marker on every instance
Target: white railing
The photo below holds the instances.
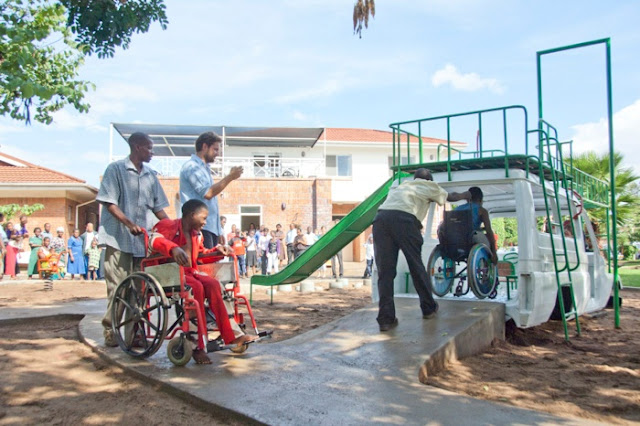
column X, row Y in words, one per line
column 281, row 167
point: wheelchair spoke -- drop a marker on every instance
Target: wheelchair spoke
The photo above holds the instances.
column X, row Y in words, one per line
column 127, row 321
column 150, row 324
column 120, row 299
column 151, row 308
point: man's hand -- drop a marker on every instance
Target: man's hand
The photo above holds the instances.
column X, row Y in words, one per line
column 135, row 229
column 180, row 256
column 236, row 172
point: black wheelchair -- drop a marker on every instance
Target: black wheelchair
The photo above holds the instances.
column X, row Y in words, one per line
column 455, row 235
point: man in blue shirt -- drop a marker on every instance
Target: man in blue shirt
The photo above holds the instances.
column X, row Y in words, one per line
column 196, row 182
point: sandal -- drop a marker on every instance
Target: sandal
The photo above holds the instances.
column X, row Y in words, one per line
column 243, row 340
column 201, row 357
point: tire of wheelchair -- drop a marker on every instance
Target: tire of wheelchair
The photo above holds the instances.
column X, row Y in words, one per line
column 441, row 272
column 139, row 304
column 481, row 271
column 179, row 350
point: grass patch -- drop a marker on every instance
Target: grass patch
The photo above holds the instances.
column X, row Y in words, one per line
column 630, row 273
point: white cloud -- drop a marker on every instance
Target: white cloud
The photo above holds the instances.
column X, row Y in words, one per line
column 330, row 87
column 110, row 101
column 470, row 82
column 626, row 134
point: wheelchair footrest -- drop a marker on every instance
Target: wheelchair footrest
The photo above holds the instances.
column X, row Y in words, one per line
column 215, row 345
column 266, row 333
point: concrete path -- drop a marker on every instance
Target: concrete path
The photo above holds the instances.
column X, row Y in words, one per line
column 343, row 373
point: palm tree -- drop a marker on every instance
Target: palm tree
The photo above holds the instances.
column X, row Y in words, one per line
column 361, row 12
column 627, row 199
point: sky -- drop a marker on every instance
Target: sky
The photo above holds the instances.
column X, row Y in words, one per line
column 298, row 63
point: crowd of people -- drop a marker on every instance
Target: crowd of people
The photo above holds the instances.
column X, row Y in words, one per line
column 74, row 258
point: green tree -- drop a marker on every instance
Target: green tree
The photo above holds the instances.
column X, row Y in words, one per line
column 11, row 210
column 40, row 57
column 627, row 199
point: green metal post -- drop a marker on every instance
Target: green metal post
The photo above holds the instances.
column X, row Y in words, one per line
column 612, row 177
column 448, row 149
column 479, row 154
column 420, row 141
column 506, row 150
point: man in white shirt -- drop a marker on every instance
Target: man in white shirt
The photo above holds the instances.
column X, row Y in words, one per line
column 291, row 235
column 397, row 226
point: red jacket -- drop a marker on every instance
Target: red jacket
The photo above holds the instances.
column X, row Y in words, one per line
column 168, row 234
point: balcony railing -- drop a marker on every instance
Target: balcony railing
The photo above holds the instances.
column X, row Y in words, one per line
column 272, row 167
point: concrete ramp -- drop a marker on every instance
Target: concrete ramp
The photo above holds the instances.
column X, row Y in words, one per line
column 343, row 373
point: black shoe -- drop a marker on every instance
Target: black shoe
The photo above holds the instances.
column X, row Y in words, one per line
column 431, row 314
column 387, row 327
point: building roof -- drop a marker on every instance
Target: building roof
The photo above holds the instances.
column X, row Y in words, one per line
column 179, row 140
column 15, row 170
column 341, row 134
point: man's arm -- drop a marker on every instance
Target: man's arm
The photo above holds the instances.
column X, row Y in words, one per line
column 484, row 216
column 457, row 196
column 219, row 186
column 161, row 214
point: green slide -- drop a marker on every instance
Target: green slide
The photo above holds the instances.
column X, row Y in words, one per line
column 329, row 244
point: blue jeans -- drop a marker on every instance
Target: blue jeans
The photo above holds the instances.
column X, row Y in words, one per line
column 242, row 264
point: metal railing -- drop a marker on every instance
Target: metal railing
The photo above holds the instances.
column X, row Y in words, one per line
column 269, row 167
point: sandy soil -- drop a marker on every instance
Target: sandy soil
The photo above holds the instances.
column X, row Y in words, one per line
column 596, row 376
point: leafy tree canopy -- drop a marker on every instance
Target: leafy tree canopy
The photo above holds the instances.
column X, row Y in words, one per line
column 11, row 210
column 103, row 25
column 43, row 44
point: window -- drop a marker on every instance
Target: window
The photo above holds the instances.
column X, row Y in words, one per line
column 338, row 165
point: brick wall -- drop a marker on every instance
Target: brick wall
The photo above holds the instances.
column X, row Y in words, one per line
column 307, row 201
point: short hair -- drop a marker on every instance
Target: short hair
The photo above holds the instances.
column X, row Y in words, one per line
column 192, row 206
column 476, row 194
column 37, row 228
column 138, row 138
column 208, row 139
column 423, row 173
column 223, row 218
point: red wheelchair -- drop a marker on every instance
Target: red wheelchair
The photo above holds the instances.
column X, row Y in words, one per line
column 142, row 302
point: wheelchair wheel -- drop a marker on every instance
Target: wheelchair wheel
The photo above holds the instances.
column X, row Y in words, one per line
column 441, row 272
column 179, row 350
column 139, row 314
column 481, row 271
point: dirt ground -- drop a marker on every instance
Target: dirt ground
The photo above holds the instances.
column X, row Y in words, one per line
column 596, row 376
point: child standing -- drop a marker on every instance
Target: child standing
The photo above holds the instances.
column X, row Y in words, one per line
column 93, row 253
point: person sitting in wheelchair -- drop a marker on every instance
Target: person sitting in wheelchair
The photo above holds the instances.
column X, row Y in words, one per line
column 182, row 240
column 480, row 216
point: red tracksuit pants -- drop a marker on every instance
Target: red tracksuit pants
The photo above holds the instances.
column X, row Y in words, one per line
column 205, row 286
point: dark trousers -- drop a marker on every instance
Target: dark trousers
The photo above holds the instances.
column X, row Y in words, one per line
column 209, row 239
column 393, row 231
column 291, row 253
column 264, row 263
column 334, row 259
column 368, row 269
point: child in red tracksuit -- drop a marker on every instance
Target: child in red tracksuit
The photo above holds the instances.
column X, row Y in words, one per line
column 181, row 239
